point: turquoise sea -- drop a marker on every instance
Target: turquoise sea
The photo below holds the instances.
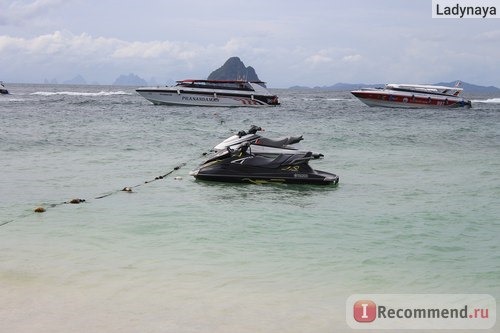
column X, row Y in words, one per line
column 416, row 211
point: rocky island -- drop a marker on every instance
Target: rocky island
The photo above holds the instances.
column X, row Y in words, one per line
column 234, row 69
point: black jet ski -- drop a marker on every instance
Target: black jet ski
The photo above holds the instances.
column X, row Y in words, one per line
column 262, row 145
column 242, row 166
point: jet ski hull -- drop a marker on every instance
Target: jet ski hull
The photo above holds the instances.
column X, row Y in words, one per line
column 287, row 169
column 316, row 178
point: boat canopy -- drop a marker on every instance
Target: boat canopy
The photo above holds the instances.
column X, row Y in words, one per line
column 219, row 81
column 220, row 84
column 455, row 91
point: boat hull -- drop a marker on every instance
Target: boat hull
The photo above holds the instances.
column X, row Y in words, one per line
column 316, row 177
column 212, row 98
column 396, row 99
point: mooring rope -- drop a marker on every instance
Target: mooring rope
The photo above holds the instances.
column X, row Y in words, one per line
column 129, row 188
column 42, row 209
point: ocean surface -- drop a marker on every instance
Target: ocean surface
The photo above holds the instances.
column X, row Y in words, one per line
column 417, row 210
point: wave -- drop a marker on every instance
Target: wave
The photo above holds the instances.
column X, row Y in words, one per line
column 326, row 99
column 489, row 100
column 76, row 93
column 338, row 99
column 11, row 100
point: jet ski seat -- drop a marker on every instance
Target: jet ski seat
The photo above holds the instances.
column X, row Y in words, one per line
column 266, row 162
column 273, row 163
column 278, row 142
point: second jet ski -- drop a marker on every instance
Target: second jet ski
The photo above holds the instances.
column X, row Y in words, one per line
column 241, row 165
column 262, row 145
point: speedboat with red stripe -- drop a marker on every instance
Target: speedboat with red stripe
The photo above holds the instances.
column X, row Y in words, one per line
column 413, row 96
column 225, row 93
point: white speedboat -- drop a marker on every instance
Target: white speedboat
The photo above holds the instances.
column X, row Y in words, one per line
column 211, row 93
column 412, row 96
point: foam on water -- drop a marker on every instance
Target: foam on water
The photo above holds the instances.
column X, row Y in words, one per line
column 78, row 93
column 489, row 100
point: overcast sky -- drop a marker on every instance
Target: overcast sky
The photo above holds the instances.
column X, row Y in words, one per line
column 288, row 42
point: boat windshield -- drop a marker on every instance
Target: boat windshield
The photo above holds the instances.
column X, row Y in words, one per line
column 440, row 90
column 207, row 84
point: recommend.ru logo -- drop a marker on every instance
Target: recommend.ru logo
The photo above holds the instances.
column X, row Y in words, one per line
column 421, row 311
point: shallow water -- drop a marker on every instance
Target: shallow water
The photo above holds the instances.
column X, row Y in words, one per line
column 416, row 211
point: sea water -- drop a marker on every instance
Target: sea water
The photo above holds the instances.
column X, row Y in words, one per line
column 416, row 211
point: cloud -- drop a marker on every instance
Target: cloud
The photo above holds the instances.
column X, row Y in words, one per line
column 352, row 58
column 156, row 49
column 57, row 44
column 333, row 57
column 18, row 13
column 318, row 59
column 66, row 45
column 492, row 36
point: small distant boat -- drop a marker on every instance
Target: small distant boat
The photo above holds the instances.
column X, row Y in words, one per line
column 3, row 90
column 211, row 93
column 413, row 96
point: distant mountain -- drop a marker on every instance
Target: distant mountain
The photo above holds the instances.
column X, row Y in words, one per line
column 234, row 69
column 468, row 87
column 130, row 80
column 339, row 87
column 76, row 80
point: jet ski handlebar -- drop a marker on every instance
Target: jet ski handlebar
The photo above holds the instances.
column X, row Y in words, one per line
column 253, row 129
column 317, row 156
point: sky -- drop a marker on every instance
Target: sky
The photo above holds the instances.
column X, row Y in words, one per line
column 288, row 42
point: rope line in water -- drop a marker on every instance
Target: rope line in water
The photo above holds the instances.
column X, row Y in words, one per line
column 42, row 209
column 129, row 188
